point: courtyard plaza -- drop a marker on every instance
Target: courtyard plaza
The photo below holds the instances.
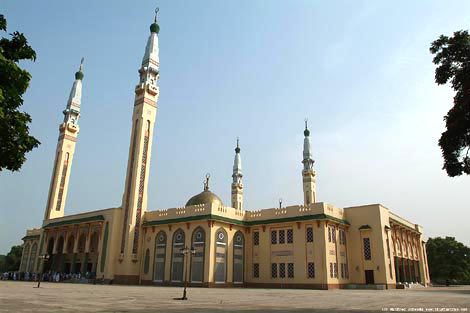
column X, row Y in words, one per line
column 69, row 297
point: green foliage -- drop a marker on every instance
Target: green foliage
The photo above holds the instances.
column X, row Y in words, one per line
column 15, row 140
column 452, row 57
column 11, row 262
column 448, row 259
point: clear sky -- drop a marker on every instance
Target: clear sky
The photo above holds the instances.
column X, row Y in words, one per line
column 360, row 71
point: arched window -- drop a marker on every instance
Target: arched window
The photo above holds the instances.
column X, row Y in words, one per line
column 147, row 261
column 50, row 246
column 24, row 258
column 60, row 245
column 70, row 244
column 238, row 257
column 32, row 258
column 197, row 260
column 177, row 259
column 94, row 242
column 81, row 243
column 160, row 255
column 220, row 274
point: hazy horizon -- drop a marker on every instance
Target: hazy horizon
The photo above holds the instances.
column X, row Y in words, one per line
column 360, row 71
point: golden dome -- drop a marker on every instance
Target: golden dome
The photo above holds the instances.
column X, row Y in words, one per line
column 203, row 198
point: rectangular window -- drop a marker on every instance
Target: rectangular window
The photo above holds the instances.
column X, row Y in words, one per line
column 290, row 236
column 329, row 234
column 290, row 270
column 335, row 269
column 282, row 236
column 367, row 252
column 282, row 270
column 342, row 237
column 333, row 233
column 256, row 270
column 311, row 270
column 273, row 270
column 309, row 234
column 256, row 238
column 273, row 237
column 331, row 270
column 342, row 269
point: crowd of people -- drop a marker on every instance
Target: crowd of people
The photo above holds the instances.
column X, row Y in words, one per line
column 48, row 276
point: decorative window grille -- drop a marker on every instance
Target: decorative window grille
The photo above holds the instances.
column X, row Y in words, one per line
column 333, row 233
column 290, row 270
column 367, row 252
column 282, row 270
column 256, row 238
column 273, row 270
column 290, row 236
column 273, row 237
column 311, row 270
column 331, row 270
column 282, row 236
column 335, row 269
column 329, row 234
column 256, row 270
column 309, row 234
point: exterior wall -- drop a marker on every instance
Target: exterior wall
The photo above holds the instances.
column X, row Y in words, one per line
column 375, row 217
column 30, row 250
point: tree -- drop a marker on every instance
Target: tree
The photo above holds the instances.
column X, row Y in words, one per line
column 448, row 259
column 15, row 140
column 452, row 57
column 11, row 262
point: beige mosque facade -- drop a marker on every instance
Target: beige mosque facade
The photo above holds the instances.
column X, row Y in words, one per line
column 311, row 245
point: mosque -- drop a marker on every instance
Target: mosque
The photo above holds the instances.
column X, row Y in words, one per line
column 311, row 245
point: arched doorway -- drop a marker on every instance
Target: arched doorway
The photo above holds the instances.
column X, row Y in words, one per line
column 220, row 270
column 160, row 257
column 238, row 257
column 177, row 258
column 197, row 260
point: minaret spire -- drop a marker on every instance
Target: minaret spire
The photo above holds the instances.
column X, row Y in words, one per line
column 308, row 172
column 237, row 184
column 68, row 133
column 134, row 201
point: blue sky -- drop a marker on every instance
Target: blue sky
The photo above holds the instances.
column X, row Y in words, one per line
column 360, row 71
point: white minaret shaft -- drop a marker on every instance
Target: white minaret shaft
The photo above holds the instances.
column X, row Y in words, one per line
column 68, row 133
column 134, row 201
column 308, row 172
column 237, row 184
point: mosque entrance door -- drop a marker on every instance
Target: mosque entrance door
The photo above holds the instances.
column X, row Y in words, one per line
column 369, row 277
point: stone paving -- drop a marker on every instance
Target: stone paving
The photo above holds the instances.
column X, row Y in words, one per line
column 66, row 297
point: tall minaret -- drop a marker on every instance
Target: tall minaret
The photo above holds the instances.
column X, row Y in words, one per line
column 237, row 184
column 68, row 132
column 134, row 201
column 308, row 173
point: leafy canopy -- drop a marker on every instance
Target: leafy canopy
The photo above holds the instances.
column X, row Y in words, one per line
column 11, row 262
column 452, row 57
column 15, row 140
column 448, row 259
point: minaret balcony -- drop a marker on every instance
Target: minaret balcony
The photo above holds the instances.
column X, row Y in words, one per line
column 153, row 90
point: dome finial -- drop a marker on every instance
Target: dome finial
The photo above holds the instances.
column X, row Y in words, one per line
column 154, row 28
column 206, row 182
column 306, row 131
column 156, row 14
column 237, row 149
column 79, row 75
